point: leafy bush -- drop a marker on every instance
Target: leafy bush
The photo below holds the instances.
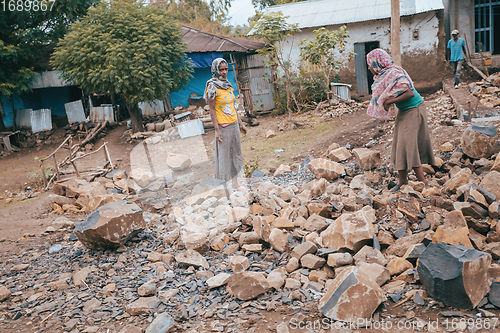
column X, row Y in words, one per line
column 309, row 88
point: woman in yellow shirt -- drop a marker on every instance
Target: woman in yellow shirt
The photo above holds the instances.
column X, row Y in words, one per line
column 220, row 98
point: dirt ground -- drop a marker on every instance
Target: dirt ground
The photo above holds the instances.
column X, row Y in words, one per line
column 28, row 215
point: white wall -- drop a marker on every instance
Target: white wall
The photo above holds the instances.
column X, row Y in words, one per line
column 379, row 30
column 462, row 18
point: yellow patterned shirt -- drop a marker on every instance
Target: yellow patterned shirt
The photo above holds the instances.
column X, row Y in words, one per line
column 224, row 106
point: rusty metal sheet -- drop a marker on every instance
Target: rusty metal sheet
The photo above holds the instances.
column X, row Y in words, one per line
column 101, row 113
column 200, row 41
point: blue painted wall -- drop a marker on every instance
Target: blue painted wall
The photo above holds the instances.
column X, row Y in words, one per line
column 202, row 63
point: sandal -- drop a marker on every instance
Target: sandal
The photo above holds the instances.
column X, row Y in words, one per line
column 395, row 189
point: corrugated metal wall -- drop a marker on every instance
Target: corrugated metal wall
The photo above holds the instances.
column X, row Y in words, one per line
column 75, row 112
column 101, row 113
column 261, row 85
column 150, row 109
column 41, row 120
column 23, row 117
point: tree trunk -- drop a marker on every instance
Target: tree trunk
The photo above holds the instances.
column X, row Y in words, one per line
column 2, row 125
column 135, row 117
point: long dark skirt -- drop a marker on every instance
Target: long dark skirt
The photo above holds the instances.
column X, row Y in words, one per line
column 228, row 156
column 411, row 146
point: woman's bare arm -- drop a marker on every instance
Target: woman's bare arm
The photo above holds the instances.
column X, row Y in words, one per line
column 408, row 94
column 213, row 116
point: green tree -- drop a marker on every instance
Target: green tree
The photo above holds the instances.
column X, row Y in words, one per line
column 274, row 30
column 261, row 4
column 28, row 36
column 327, row 51
column 186, row 11
column 127, row 48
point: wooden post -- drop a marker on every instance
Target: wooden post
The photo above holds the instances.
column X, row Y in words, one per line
column 395, row 32
column 43, row 175
column 107, row 157
column 56, row 166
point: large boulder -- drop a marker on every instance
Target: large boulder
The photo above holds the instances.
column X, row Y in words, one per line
column 351, row 230
column 111, row 225
column 455, row 275
column 367, row 158
column 350, row 296
column 247, row 285
column 478, row 140
column 323, row 168
column 491, row 183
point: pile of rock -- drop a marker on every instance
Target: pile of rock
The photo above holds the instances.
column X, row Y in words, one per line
column 333, row 108
column 27, row 139
column 339, row 246
column 441, row 109
column 487, row 90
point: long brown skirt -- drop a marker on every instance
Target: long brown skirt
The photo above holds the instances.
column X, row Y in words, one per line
column 411, row 146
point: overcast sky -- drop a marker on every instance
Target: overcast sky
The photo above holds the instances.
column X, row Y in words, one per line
column 240, row 11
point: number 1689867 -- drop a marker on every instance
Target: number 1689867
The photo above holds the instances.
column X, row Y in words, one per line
column 27, row 5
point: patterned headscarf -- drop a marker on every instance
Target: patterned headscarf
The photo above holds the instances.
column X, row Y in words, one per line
column 390, row 81
column 215, row 82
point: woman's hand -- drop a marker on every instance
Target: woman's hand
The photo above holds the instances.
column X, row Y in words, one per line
column 387, row 103
column 243, row 129
column 218, row 135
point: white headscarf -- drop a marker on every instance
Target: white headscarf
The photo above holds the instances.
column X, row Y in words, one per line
column 215, row 82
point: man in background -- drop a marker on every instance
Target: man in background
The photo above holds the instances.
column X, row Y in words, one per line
column 455, row 54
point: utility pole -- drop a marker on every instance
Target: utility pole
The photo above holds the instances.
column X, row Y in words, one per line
column 395, row 32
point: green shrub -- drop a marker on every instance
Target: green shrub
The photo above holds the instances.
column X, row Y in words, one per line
column 309, row 88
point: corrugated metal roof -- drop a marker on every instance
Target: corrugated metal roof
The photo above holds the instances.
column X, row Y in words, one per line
column 318, row 13
column 200, row 41
column 49, row 79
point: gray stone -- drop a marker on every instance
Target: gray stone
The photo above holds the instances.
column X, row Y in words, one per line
column 494, row 294
column 455, row 275
column 162, row 324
